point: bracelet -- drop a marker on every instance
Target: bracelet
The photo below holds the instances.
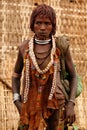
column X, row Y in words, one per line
column 16, row 75
column 16, row 97
column 71, row 100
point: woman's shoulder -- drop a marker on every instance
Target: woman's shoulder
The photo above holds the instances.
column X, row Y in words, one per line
column 62, row 42
column 24, row 46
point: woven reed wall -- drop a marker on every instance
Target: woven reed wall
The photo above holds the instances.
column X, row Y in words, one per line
column 14, row 27
column 8, row 113
column 9, row 116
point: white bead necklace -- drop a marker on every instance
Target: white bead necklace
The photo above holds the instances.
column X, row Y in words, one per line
column 27, row 75
column 27, row 80
column 32, row 55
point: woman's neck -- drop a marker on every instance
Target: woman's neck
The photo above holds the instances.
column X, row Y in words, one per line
column 42, row 42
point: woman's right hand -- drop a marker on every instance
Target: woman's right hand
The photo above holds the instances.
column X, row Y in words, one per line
column 18, row 105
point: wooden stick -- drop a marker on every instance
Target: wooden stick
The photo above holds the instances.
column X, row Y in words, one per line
column 5, row 83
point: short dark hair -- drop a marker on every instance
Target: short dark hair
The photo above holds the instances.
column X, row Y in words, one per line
column 44, row 10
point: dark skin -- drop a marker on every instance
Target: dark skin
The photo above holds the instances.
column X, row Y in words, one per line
column 70, row 113
column 42, row 30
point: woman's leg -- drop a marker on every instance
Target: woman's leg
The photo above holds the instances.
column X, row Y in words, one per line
column 52, row 122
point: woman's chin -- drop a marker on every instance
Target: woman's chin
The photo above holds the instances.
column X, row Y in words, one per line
column 42, row 37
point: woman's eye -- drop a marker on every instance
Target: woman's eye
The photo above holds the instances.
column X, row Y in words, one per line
column 47, row 23
column 38, row 23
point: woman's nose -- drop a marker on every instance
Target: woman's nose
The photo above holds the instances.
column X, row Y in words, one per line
column 43, row 26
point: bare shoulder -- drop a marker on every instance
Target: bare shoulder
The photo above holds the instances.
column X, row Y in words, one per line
column 23, row 46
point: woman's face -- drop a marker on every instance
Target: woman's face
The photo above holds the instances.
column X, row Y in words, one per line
column 42, row 27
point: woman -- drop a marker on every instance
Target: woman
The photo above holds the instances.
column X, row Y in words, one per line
column 42, row 98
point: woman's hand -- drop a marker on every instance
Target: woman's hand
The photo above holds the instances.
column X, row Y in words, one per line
column 70, row 113
column 18, row 105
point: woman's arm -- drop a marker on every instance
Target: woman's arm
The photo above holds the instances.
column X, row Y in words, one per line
column 72, row 75
column 16, row 80
column 70, row 113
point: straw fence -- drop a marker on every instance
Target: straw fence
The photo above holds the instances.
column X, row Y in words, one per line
column 14, row 28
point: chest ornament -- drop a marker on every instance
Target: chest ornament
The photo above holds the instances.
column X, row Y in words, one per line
column 53, row 61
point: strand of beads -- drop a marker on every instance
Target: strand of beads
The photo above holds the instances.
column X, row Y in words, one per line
column 27, row 80
column 54, row 81
column 32, row 55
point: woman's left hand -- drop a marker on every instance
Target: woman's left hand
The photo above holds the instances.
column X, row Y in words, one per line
column 70, row 113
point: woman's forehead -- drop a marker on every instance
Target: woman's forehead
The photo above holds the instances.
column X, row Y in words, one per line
column 42, row 17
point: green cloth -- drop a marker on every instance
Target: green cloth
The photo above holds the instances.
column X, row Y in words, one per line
column 75, row 127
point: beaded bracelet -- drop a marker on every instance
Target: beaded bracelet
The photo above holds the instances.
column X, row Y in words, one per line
column 16, row 97
column 71, row 100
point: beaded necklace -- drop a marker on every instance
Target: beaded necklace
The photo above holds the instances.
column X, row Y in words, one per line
column 51, row 62
column 32, row 55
